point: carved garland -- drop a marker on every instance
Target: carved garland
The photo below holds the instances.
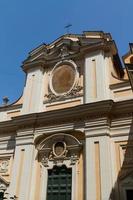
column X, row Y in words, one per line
column 75, row 92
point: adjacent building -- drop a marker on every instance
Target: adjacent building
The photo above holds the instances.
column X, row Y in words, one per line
column 69, row 136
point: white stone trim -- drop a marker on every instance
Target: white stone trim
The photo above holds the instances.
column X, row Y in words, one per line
column 32, row 190
column 44, row 179
column 105, row 168
column 102, row 80
column 26, row 173
column 33, row 91
column 71, row 63
column 90, row 183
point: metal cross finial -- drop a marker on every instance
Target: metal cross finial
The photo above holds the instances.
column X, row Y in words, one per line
column 67, row 27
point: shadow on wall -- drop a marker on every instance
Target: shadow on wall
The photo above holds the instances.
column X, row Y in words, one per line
column 11, row 143
column 123, row 188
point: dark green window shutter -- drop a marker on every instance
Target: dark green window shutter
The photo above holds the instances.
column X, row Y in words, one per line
column 59, row 183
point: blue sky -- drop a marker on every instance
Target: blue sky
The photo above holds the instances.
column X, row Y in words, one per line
column 25, row 24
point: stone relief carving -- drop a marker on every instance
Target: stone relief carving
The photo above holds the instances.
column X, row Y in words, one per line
column 75, row 92
column 4, row 164
column 58, row 149
column 3, row 187
column 64, row 52
column 73, row 159
column 63, row 81
column 44, row 161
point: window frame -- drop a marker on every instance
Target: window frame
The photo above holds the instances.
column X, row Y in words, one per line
column 44, row 180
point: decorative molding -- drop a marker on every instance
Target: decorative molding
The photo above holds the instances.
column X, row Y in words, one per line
column 4, row 164
column 44, row 161
column 64, row 52
column 59, row 148
column 75, row 92
column 3, row 185
column 90, row 111
column 73, row 159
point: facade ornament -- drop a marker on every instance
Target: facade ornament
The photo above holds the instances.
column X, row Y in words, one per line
column 58, row 162
column 14, row 197
column 44, row 161
column 4, row 166
column 51, row 97
column 58, row 153
column 75, row 92
column 64, row 52
column 2, row 187
column 73, row 159
column 59, row 149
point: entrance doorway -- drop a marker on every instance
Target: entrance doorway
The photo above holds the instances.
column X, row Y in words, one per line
column 129, row 194
column 59, row 183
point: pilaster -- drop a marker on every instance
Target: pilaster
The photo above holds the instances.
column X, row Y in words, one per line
column 22, row 166
column 96, row 77
column 105, row 168
column 90, row 184
column 33, row 91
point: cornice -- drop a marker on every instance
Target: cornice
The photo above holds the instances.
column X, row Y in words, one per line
column 7, row 126
column 10, row 107
column 86, row 112
column 122, row 108
column 64, row 52
column 119, row 85
column 67, row 48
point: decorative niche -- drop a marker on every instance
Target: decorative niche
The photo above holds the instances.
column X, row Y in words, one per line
column 59, row 149
column 63, row 82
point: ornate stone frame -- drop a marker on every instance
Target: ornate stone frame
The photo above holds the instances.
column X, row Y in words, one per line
column 70, row 161
column 64, row 151
column 69, row 62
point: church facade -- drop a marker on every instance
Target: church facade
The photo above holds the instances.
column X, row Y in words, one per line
column 69, row 136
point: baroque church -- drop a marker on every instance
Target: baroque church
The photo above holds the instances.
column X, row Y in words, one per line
column 70, row 135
